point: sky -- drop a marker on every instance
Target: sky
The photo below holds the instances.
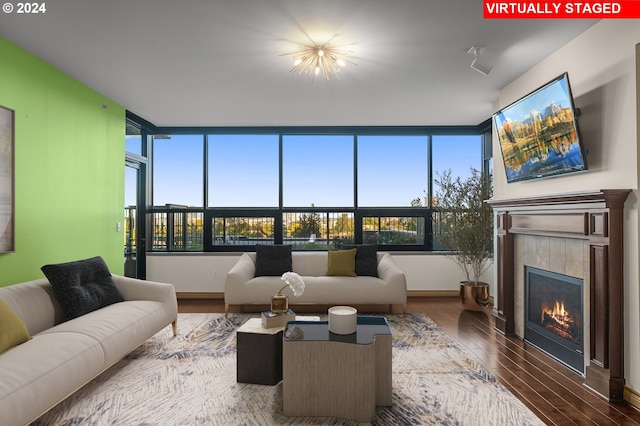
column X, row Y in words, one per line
column 392, row 170
column 557, row 92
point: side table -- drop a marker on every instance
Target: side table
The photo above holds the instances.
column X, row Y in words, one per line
column 259, row 353
column 327, row 374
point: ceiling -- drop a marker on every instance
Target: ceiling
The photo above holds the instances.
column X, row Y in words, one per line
column 220, row 63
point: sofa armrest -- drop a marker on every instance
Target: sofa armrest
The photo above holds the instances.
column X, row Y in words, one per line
column 240, row 273
column 390, row 273
column 164, row 293
column 135, row 289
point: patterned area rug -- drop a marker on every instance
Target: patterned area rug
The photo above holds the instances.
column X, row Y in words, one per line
column 191, row 380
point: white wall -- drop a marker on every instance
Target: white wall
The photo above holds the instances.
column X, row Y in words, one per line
column 191, row 272
column 205, row 273
column 601, row 64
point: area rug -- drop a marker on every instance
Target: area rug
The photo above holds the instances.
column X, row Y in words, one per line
column 191, row 380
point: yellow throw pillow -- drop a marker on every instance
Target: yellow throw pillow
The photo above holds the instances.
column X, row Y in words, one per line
column 13, row 331
column 342, row 263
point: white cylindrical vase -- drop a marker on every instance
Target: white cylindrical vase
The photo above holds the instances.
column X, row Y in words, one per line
column 343, row 319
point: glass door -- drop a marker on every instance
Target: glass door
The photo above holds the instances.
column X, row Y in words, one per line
column 130, row 221
column 134, row 203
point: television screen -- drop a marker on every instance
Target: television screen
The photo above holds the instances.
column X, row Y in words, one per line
column 539, row 134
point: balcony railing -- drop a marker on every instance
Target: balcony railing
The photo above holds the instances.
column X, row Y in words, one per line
column 197, row 229
column 177, row 230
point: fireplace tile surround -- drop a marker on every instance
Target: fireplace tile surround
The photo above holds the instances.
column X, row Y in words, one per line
column 565, row 256
column 580, row 235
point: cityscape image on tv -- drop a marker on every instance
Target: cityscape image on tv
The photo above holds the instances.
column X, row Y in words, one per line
column 538, row 134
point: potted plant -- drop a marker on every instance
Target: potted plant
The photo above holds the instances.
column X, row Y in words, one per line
column 466, row 230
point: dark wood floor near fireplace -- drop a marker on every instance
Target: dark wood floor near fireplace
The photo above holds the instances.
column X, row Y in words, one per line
column 552, row 391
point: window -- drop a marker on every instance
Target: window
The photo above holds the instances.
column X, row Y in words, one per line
column 392, row 171
column 177, row 229
column 317, row 230
column 317, row 171
column 243, row 170
column 458, row 153
column 316, row 190
column 133, row 139
column 393, row 230
column 242, row 230
column 178, row 176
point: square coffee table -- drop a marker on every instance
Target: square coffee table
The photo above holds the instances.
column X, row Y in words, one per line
column 326, row 374
column 259, row 353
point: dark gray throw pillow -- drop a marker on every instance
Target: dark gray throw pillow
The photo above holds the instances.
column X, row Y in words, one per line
column 273, row 260
column 366, row 259
column 82, row 286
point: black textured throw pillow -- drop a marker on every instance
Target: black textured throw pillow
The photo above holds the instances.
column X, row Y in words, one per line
column 82, row 286
column 273, row 260
column 366, row 259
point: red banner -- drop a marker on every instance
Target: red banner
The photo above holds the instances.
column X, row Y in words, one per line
column 561, row 9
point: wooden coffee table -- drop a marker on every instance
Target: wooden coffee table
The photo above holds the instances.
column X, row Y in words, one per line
column 346, row 376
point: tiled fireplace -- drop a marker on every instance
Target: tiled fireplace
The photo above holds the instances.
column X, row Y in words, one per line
column 575, row 238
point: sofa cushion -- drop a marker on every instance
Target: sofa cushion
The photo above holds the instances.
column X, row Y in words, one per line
column 366, row 259
column 37, row 374
column 13, row 331
column 119, row 328
column 273, row 260
column 82, row 286
column 342, row 262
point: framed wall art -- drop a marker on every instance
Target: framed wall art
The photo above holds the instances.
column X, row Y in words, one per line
column 7, row 198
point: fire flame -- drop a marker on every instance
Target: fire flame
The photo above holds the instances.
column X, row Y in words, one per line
column 559, row 312
column 560, row 321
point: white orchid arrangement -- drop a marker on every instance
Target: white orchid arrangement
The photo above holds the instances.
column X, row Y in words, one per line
column 294, row 282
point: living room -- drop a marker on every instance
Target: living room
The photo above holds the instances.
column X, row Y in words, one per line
column 69, row 142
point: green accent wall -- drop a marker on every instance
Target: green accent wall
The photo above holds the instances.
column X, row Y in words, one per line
column 69, row 168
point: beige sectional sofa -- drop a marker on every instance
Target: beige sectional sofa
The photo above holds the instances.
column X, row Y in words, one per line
column 242, row 287
column 62, row 356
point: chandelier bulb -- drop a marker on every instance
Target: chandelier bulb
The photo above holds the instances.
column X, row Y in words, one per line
column 320, row 60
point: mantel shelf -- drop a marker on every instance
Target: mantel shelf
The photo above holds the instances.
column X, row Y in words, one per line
column 610, row 197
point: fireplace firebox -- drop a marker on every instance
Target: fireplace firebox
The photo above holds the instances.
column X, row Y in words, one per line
column 554, row 316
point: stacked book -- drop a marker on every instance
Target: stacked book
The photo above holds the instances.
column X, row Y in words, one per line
column 273, row 320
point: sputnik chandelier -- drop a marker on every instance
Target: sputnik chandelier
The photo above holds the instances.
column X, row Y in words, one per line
column 318, row 59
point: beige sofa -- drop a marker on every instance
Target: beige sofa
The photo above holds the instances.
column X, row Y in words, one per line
column 62, row 356
column 242, row 287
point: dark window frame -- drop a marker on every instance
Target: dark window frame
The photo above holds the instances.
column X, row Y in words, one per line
column 482, row 130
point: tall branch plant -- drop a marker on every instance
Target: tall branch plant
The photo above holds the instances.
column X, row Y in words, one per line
column 467, row 221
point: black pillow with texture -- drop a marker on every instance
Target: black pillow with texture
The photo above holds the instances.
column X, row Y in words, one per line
column 273, row 260
column 82, row 286
column 366, row 259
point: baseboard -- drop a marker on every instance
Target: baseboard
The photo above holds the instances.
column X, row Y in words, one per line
column 433, row 293
column 200, row 295
column 632, row 397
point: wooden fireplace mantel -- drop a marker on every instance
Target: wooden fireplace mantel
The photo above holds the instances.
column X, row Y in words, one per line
column 594, row 216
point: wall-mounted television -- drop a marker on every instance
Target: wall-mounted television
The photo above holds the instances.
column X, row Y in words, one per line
column 539, row 135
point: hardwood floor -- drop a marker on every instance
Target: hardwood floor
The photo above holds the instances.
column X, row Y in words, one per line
column 552, row 391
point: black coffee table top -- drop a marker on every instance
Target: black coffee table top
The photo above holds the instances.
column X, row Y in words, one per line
column 367, row 327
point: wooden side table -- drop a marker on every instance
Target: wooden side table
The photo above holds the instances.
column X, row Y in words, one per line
column 259, row 353
column 325, row 374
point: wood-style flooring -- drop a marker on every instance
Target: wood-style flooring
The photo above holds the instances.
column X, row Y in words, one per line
column 552, row 391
